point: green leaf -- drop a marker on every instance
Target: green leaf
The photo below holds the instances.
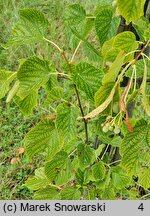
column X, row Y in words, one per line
column 6, row 77
column 141, row 25
column 56, row 143
column 131, row 10
column 88, row 45
column 91, row 55
column 99, row 150
column 148, row 137
column 79, row 176
column 85, row 154
column 145, row 100
column 39, row 137
column 53, row 167
column 114, row 69
column 102, row 94
column 125, row 41
column 65, row 174
column 74, row 14
column 55, row 94
column 32, row 74
column 38, row 181
column 71, row 144
column 106, row 25
column 131, row 148
column 70, row 193
column 139, row 69
column 99, row 171
column 66, row 119
column 51, row 83
column 144, row 178
column 108, row 194
column 48, row 193
column 87, row 78
column 31, row 28
column 119, row 179
column 28, row 103
column 147, row 33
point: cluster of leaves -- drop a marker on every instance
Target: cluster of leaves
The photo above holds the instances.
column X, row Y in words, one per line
column 89, row 118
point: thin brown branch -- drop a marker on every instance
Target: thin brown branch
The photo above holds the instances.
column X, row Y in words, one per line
column 78, row 98
column 140, row 53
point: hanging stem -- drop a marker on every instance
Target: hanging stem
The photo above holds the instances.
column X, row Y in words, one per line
column 75, row 51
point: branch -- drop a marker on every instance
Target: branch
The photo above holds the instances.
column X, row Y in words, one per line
column 78, row 98
column 74, row 85
column 140, row 53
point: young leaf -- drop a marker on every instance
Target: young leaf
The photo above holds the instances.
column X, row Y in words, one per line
column 125, row 41
column 32, row 74
column 131, row 146
column 99, row 171
column 31, row 28
column 85, row 154
column 6, row 77
column 39, row 137
column 28, row 103
column 66, row 119
column 74, row 14
column 54, row 167
column 87, row 78
column 131, row 10
column 70, row 193
column 48, row 193
column 106, row 25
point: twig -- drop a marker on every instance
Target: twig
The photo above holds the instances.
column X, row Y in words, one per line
column 78, row 98
column 74, row 85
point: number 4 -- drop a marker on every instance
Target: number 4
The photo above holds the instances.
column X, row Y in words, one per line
column 141, row 207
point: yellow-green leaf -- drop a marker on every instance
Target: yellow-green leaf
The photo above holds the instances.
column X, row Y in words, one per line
column 131, row 148
column 31, row 28
column 33, row 73
column 144, row 177
column 28, row 103
column 106, row 25
column 131, row 10
column 38, row 138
